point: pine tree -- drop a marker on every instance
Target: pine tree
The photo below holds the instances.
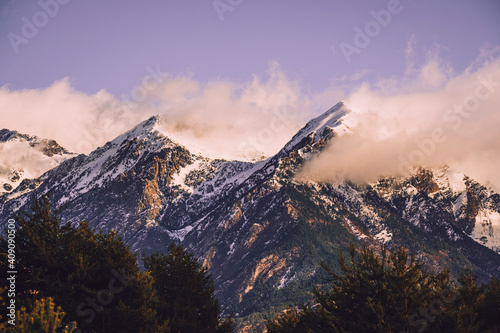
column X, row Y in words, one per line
column 470, row 297
column 476, row 308
column 290, row 320
column 185, row 293
column 390, row 292
column 93, row 276
column 489, row 309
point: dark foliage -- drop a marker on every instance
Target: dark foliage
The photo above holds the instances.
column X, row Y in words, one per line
column 96, row 282
column 393, row 292
column 185, row 293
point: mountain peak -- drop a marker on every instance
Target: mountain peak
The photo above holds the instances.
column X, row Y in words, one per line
column 148, row 130
column 331, row 118
column 6, row 135
column 47, row 146
column 321, row 126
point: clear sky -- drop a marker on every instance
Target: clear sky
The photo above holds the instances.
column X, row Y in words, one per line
column 108, row 44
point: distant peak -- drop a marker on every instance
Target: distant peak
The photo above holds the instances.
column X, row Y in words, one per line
column 6, row 135
column 48, row 147
column 332, row 119
column 153, row 134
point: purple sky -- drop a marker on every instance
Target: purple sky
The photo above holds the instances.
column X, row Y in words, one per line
column 108, row 44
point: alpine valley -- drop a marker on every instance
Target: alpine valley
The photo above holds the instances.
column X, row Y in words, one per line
column 260, row 231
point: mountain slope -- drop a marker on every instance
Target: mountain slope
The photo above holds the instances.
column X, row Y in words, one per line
column 260, row 231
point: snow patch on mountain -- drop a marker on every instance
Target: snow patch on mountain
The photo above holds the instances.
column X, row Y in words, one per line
column 383, row 236
column 487, row 229
column 334, row 119
column 448, row 178
column 459, row 202
column 106, row 163
column 179, row 179
column 181, row 233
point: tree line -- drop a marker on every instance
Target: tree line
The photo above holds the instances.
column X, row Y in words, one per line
column 75, row 279
column 391, row 291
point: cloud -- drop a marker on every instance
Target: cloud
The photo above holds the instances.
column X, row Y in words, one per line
column 434, row 118
column 79, row 122
column 19, row 157
column 232, row 120
column 225, row 119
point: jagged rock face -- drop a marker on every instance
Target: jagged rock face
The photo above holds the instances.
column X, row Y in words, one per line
column 260, row 231
column 51, row 148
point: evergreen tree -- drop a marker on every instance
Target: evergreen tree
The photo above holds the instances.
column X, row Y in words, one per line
column 390, row 292
column 489, row 309
column 470, row 296
column 476, row 308
column 290, row 320
column 185, row 293
column 377, row 293
column 93, row 276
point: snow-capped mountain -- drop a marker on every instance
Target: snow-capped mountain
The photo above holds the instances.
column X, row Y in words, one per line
column 25, row 158
column 259, row 230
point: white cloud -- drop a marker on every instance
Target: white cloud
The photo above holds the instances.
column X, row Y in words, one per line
column 433, row 119
column 79, row 122
column 227, row 118
column 254, row 117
